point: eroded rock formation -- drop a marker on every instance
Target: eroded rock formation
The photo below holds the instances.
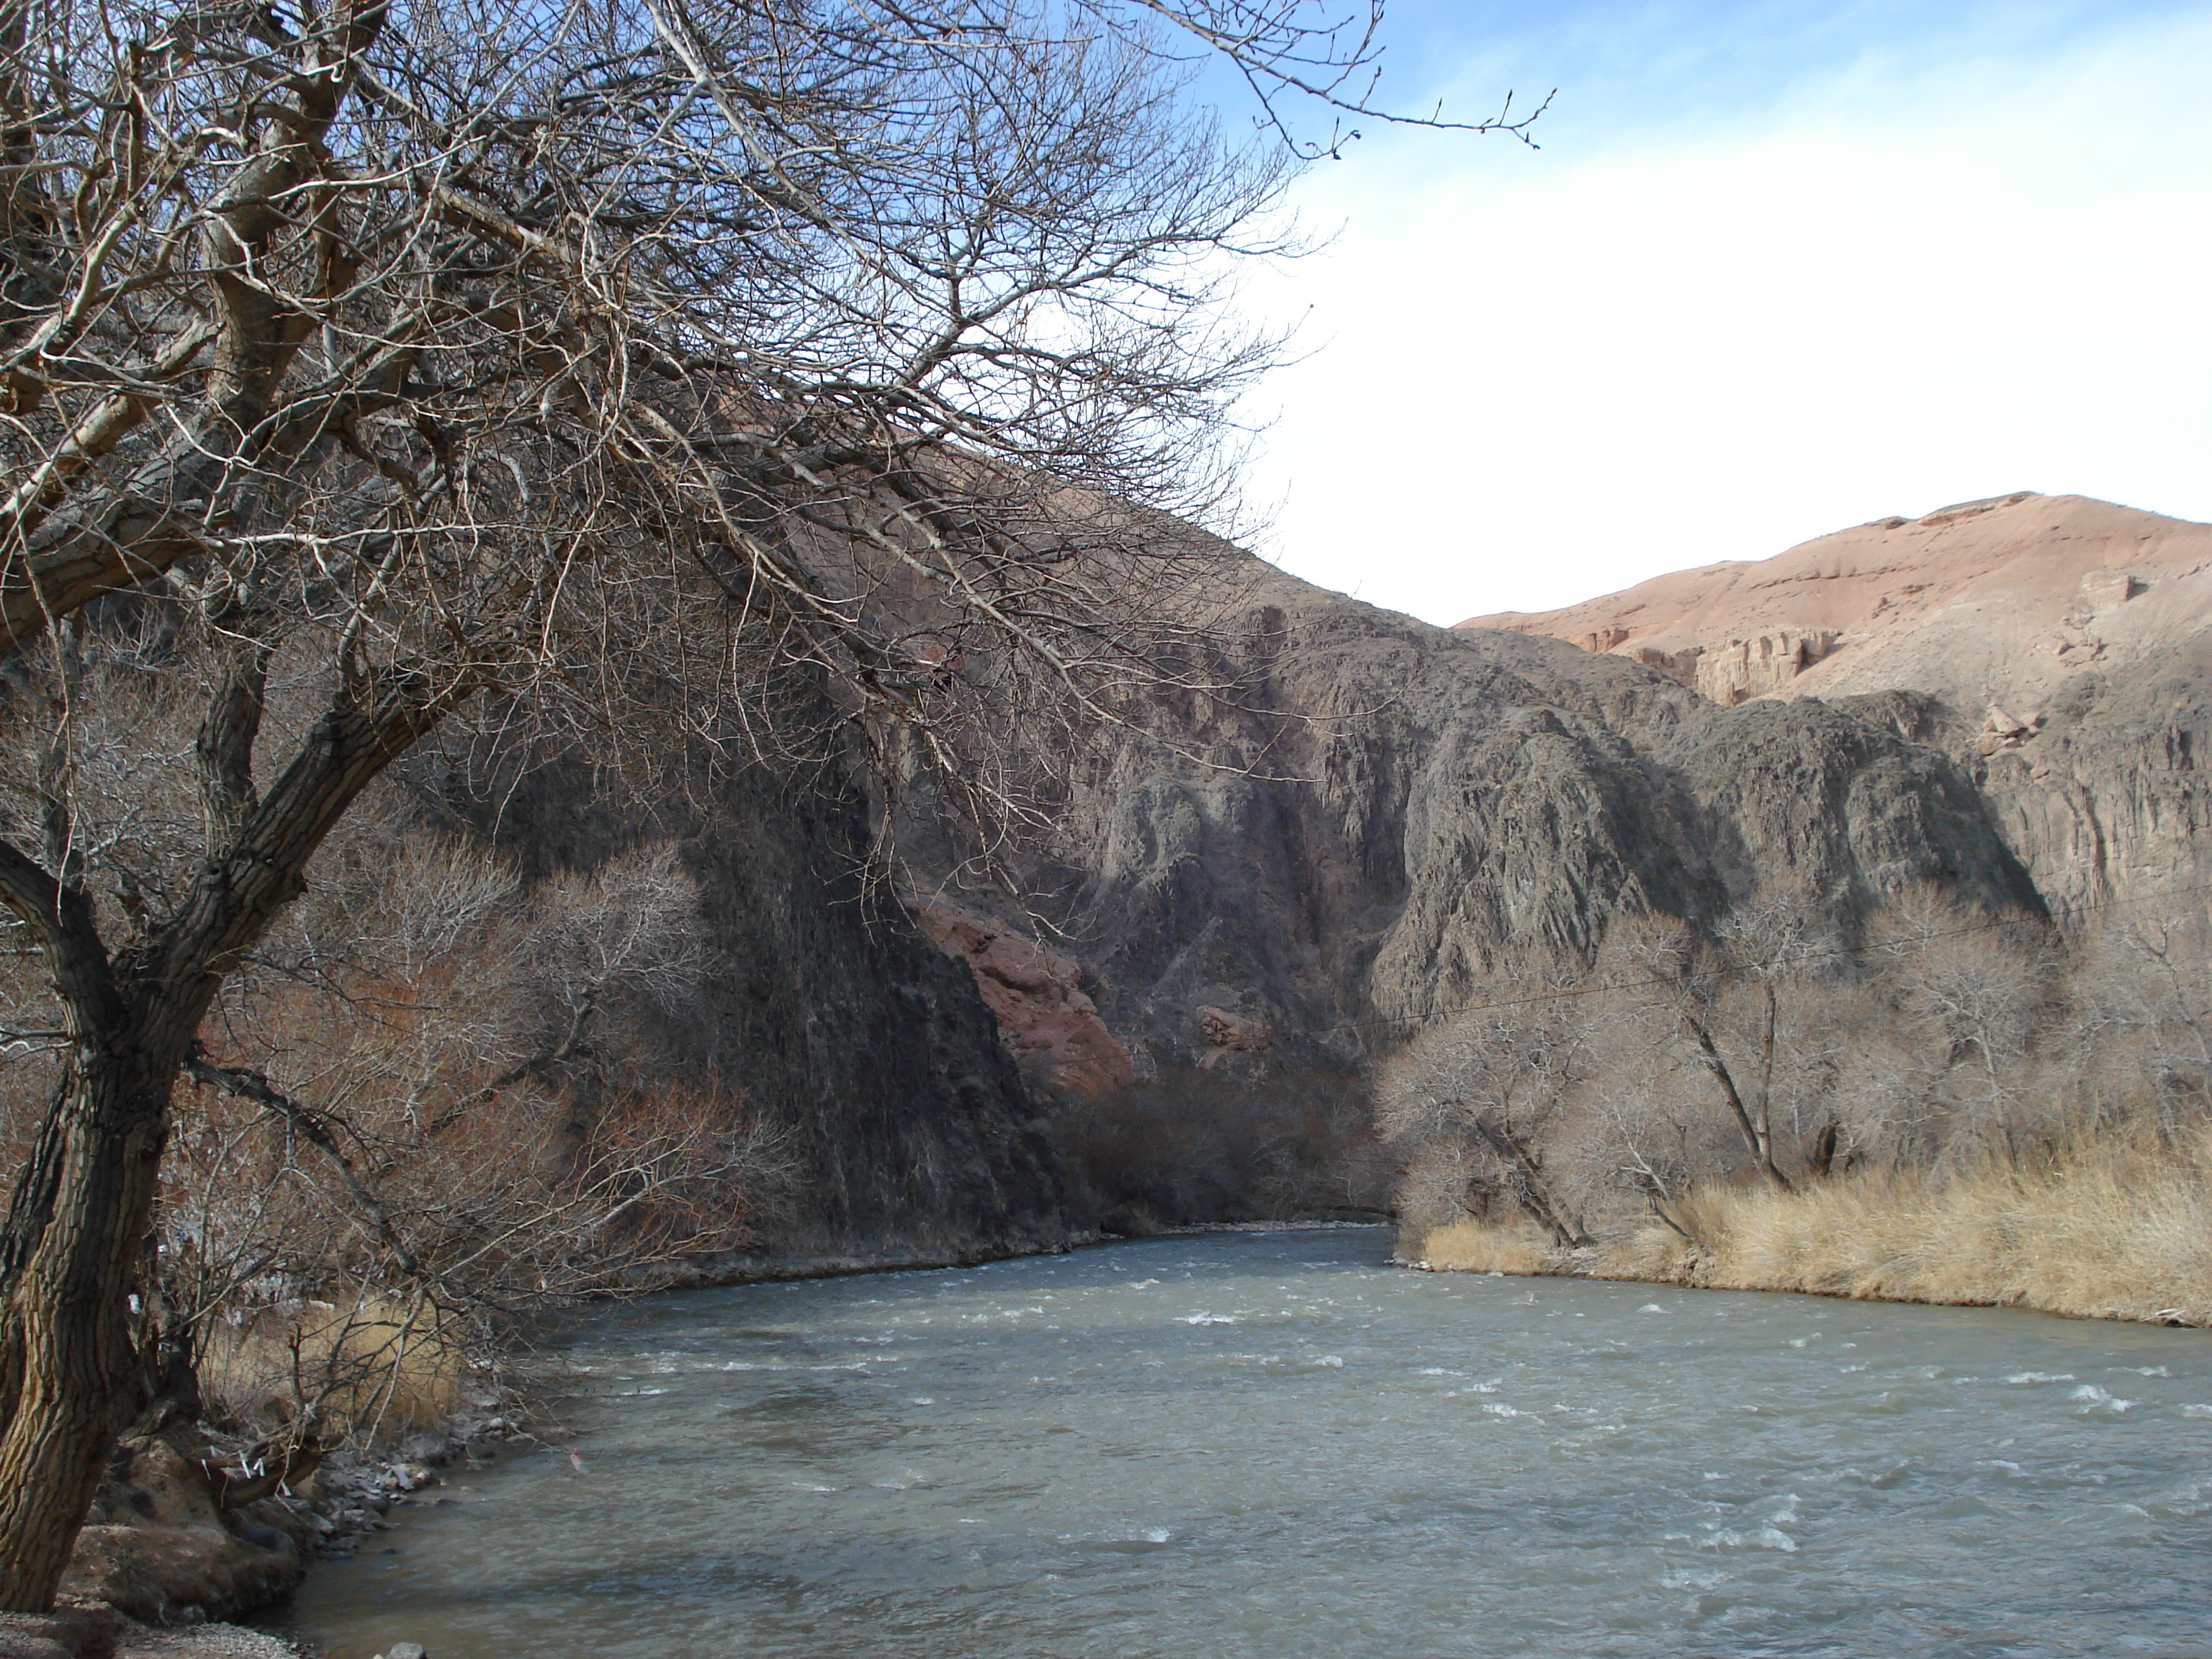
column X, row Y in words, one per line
column 909, row 1131
column 1385, row 818
column 1036, row 997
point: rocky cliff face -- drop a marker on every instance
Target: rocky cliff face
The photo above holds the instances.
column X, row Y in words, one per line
column 911, row 1134
column 2106, row 796
column 1387, row 817
column 1396, row 814
column 2058, row 646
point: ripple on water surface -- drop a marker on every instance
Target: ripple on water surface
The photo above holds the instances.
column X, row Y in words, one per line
column 1275, row 1445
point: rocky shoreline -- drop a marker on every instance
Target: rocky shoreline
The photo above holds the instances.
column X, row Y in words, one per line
column 165, row 1561
column 102, row 1633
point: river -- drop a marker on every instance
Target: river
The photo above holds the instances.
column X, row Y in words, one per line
column 1277, row 1445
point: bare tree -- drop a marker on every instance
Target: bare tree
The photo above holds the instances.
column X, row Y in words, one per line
column 613, row 358
column 428, row 1101
column 1475, row 1095
column 1699, row 987
column 1978, row 991
column 2142, row 983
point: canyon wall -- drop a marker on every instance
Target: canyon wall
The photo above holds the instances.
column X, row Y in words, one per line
column 1387, row 816
column 907, row 1130
column 1252, row 895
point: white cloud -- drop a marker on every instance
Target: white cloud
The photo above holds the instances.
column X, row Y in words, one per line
column 1541, row 376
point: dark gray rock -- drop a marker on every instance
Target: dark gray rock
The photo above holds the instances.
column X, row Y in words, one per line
column 911, row 1132
column 2110, row 799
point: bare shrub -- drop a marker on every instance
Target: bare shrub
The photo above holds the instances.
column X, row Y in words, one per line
column 1440, row 1183
column 309, row 1372
column 2141, row 990
column 1765, row 1046
column 1650, row 1130
column 1980, row 992
column 1958, row 1107
column 402, row 1137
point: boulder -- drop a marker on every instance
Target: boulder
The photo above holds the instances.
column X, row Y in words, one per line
column 1037, row 999
column 160, row 1548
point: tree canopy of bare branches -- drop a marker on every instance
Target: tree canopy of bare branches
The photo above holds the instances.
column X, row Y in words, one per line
column 361, row 360
column 1776, row 1048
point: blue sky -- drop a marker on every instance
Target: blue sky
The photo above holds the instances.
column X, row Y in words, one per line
column 1775, row 270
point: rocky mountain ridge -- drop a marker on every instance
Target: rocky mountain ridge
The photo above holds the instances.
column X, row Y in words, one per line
column 1997, row 602
column 2057, row 645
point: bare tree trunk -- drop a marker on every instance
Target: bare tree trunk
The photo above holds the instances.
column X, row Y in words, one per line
column 1526, row 1166
column 71, row 1381
column 1822, row 1159
column 1766, row 1075
column 1761, row 1148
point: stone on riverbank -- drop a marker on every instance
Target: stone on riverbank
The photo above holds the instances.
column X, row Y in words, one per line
column 160, row 1549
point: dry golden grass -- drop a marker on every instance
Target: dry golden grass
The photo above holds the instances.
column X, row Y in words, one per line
column 1655, row 1252
column 2112, row 1228
column 1479, row 1247
column 370, row 1368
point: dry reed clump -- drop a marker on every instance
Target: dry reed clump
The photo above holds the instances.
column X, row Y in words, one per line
column 1483, row 1247
column 370, row 1369
column 1656, row 1253
column 2117, row 1227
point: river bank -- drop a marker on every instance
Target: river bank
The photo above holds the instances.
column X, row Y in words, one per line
column 102, row 1633
column 191, row 1531
column 163, row 1562
column 2116, row 1230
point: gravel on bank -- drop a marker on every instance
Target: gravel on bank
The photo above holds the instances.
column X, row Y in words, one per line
column 102, row 1633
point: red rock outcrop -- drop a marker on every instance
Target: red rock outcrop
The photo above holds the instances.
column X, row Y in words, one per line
column 1232, row 1034
column 1037, row 999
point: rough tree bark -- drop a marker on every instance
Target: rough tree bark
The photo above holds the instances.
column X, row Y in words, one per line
column 70, row 1253
column 75, row 1241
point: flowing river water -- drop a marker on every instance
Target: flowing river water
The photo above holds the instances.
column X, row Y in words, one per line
column 1277, row 1445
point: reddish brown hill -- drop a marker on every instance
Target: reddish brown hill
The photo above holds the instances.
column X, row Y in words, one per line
column 1995, row 602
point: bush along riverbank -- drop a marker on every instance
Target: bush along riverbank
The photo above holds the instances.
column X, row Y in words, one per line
column 2113, row 1229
